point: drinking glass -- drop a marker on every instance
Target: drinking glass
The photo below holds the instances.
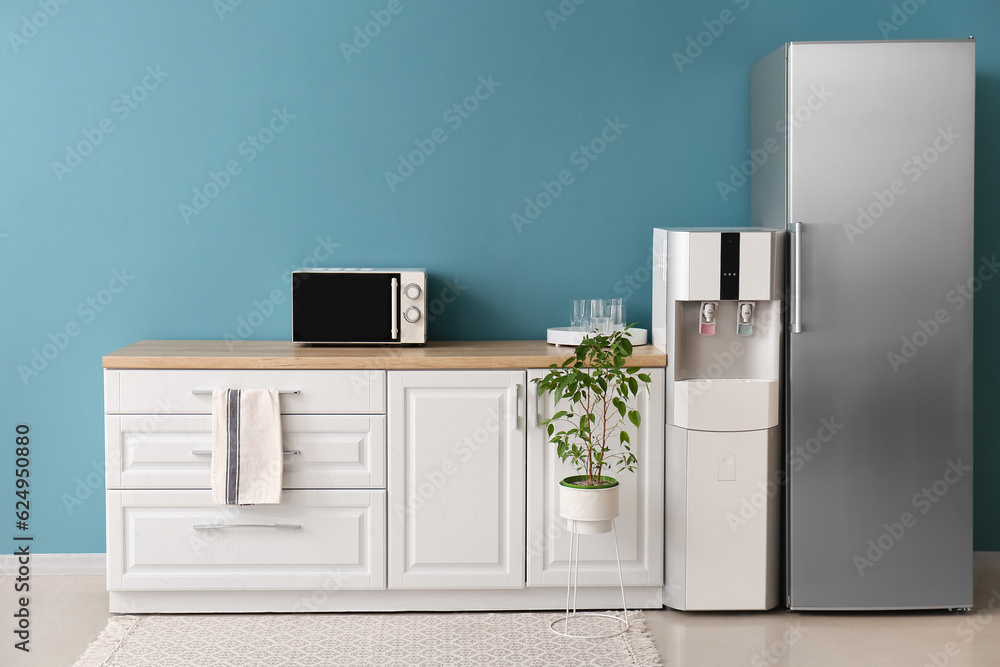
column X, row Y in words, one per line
column 581, row 315
column 617, row 315
column 598, row 315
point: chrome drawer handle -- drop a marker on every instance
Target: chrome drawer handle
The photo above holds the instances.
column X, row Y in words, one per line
column 209, row 391
column 215, row 526
column 208, row 452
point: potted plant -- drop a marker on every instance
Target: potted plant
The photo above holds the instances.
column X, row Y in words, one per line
column 595, row 386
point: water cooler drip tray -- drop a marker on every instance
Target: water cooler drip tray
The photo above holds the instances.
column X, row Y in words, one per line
column 726, row 404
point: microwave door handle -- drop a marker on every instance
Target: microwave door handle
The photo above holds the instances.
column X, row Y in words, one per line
column 394, row 285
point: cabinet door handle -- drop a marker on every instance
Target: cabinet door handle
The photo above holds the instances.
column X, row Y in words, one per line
column 208, row 452
column 512, row 410
column 537, row 403
column 218, row 526
column 198, row 392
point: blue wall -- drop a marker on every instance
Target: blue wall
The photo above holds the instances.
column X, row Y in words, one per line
column 165, row 164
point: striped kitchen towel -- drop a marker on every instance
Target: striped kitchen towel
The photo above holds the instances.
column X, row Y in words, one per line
column 246, row 447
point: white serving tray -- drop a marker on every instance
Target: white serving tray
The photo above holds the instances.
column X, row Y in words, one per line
column 567, row 336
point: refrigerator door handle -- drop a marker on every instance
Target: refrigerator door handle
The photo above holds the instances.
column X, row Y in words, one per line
column 797, row 278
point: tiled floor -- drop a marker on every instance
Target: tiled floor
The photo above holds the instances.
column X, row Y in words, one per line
column 67, row 613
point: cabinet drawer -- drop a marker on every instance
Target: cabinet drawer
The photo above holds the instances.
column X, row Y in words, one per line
column 324, row 540
column 174, row 451
column 189, row 391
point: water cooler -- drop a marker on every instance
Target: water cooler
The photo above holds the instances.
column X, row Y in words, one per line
column 717, row 315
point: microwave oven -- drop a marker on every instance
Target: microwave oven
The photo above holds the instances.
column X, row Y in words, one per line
column 359, row 306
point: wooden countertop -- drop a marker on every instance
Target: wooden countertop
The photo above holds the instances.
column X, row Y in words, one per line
column 181, row 354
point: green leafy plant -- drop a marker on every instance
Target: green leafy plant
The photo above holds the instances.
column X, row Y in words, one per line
column 597, row 386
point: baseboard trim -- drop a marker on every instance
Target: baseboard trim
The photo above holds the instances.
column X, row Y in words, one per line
column 385, row 600
column 78, row 564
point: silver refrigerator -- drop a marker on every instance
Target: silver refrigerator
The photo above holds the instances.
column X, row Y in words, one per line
column 863, row 151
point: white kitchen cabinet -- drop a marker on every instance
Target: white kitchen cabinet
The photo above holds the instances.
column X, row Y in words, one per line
column 640, row 523
column 456, row 479
column 165, row 533
column 414, row 479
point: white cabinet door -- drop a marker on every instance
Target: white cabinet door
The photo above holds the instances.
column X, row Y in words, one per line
column 640, row 522
column 456, row 479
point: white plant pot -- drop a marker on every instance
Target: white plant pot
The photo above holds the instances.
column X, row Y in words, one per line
column 588, row 511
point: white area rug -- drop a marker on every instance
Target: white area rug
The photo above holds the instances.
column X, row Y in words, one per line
column 382, row 640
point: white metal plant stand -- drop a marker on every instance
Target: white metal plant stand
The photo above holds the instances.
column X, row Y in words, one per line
column 571, row 590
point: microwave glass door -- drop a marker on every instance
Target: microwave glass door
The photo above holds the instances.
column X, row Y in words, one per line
column 344, row 308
